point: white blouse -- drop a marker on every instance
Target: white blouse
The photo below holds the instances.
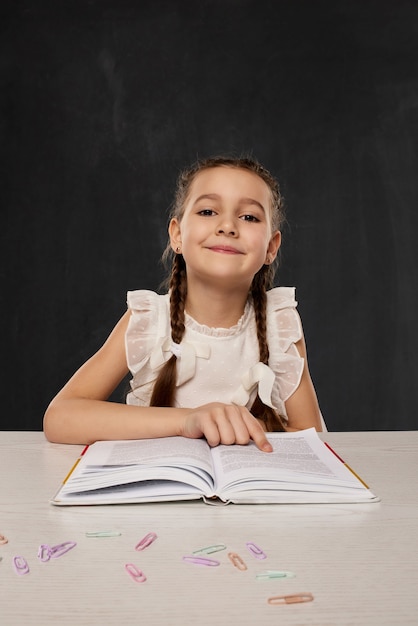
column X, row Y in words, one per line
column 215, row 364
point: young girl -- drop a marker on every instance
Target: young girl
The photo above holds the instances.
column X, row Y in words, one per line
column 222, row 354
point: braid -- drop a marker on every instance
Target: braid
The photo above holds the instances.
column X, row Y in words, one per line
column 178, row 293
column 261, row 282
column 164, row 390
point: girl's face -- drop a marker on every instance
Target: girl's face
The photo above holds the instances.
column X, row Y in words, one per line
column 225, row 231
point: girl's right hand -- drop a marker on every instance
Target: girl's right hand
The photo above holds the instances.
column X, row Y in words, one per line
column 226, row 424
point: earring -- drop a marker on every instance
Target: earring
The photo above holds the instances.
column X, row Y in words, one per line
column 178, row 250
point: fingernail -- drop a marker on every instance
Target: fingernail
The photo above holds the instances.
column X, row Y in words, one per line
column 267, row 447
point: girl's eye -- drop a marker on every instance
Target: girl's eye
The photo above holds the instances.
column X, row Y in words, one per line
column 206, row 212
column 250, row 218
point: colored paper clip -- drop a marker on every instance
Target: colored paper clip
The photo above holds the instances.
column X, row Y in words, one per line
column 3, row 540
column 255, row 550
column 210, row 549
column 237, row 561
column 104, row 533
column 200, row 560
column 136, row 574
column 292, row 599
column 21, row 566
column 146, row 541
column 272, row 574
column 61, row 549
column 44, row 553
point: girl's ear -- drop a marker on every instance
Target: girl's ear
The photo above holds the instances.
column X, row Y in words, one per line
column 174, row 233
column 273, row 247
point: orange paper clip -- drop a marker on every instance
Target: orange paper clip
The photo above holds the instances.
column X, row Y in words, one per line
column 237, row 561
column 292, row 599
column 3, row 540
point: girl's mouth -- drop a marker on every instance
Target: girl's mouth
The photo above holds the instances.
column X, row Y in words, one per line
column 225, row 250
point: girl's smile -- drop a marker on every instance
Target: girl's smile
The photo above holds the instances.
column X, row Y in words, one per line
column 225, row 249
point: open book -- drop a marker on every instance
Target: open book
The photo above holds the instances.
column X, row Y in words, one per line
column 301, row 469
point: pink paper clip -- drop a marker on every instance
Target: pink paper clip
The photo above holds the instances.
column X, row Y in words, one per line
column 255, row 550
column 237, row 561
column 3, row 540
column 62, row 548
column 21, row 566
column 136, row 574
column 146, row 541
column 200, row 560
column 44, row 553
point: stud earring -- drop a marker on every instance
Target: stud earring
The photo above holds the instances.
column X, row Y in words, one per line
column 178, row 250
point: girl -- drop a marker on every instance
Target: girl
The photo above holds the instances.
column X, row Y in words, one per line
column 222, row 354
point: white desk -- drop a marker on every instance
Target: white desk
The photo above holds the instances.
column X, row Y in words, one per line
column 359, row 561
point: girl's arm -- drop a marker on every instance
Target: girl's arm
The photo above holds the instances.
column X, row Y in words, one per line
column 302, row 406
column 81, row 413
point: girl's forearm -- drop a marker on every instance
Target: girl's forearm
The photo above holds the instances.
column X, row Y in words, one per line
column 84, row 421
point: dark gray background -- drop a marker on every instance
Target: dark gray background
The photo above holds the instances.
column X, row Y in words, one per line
column 102, row 103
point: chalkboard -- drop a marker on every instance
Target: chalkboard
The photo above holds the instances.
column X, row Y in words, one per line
column 103, row 102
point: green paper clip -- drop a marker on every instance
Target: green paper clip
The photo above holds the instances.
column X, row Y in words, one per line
column 104, row 533
column 273, row 574
column 211, row 549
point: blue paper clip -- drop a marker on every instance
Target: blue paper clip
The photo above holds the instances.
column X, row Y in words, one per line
column 210, row 549
column 146, row 541
column 237, row 561
column 136, row 574
column 255, row 550
column 200, row 560
column 62, row 548
column 21, row 566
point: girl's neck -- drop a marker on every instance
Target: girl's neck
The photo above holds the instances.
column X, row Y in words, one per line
column 216, row 309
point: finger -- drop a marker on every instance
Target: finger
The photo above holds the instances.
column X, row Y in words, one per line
column 221, row 419
column 211, row 432
column 238, row 427
column 257, row 434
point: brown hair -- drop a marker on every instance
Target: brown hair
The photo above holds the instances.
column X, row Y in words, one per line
column 165, row 385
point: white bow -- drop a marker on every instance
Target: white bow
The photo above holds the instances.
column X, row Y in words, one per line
column 186, row 354
column 259, row 374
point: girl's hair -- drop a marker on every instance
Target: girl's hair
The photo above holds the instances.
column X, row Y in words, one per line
column 165, row 385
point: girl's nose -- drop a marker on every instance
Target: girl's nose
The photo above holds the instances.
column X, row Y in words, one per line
column 226, row 227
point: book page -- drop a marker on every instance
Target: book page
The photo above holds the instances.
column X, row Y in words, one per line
column 297, row 457
column 111, row 463
column 161, row 451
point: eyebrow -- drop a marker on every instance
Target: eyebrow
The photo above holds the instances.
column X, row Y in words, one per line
column 215, row 196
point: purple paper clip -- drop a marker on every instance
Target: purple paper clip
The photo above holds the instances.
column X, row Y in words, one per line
column 146, row 541
column 200, row 560
column 21, row 566
column 44, row 553
column 136, row 574
column 255, row 550
column 62, row 548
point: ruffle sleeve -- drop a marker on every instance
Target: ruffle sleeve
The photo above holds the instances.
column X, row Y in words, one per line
column 147, row 327
column 284, row 330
